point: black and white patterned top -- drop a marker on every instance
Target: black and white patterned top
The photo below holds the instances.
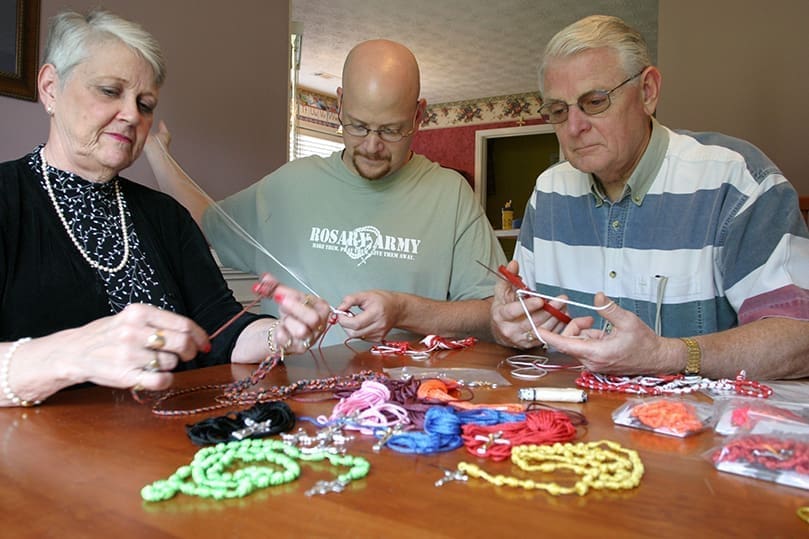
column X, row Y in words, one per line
column 91, row 210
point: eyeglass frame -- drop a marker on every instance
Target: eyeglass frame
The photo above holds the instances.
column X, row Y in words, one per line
column 606, row 93
column 379, row 132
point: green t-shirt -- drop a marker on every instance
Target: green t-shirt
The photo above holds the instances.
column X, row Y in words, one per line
column 419, row 230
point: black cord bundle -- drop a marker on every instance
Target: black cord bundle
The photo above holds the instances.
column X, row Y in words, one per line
column 263, row 419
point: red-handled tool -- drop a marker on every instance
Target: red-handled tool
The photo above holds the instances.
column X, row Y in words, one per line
column 517, row 282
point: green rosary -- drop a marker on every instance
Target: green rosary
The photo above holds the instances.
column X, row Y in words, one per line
column 208, row 475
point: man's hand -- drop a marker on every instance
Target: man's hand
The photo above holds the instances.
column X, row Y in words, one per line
column 381, row 311
column 510, row 326
column 626, row 347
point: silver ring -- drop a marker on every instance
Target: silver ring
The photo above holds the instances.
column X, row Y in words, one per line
column 306, row 343
column 529, row 336
column 153, row 365
column 156, row 340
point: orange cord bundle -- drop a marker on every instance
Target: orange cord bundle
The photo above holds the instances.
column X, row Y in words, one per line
column 667, row 415
column 510, row 407
column 439, row 391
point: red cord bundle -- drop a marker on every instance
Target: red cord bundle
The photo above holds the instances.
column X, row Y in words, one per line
column 539, row 427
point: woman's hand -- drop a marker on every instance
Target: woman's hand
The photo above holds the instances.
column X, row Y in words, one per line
column 138, row 347
column 303, row 317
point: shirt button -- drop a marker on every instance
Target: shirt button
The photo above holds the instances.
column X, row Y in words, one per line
column 613, row 274
column 616, row 224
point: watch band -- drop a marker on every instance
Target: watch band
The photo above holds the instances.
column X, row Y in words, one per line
column 694, row 362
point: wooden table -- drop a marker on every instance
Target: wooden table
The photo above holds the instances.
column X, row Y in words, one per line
column 74, row 467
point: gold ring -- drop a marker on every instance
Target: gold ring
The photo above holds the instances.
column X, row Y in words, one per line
column 153, row 365
column 156, row 340
column 307, row 300
column 306, row 343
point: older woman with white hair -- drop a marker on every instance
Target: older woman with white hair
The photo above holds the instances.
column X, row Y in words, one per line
column 103, row 280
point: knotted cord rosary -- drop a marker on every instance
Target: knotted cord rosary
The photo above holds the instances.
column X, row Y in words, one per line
column 767, row 452
column 672, row 384
column 209, row 475
column 238, row 394
column 431, row 344
column 603, row 465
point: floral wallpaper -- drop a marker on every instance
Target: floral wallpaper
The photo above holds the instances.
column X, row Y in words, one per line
column 447, row 134
column 321, row 109
column 519, row 108
column 317, row 109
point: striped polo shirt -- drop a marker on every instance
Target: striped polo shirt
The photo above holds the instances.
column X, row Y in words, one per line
column 706, row 236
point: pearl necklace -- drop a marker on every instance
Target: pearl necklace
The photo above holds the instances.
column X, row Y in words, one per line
column 75, row 241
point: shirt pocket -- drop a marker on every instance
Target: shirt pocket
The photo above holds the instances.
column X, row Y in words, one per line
column 668, row 288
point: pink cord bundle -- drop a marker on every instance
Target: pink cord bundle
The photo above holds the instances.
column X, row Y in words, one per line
column 368, row 409
column 539, row 427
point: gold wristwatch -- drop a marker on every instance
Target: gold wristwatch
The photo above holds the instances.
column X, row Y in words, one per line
column 694, row 362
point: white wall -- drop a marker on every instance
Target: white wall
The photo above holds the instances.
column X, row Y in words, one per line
column 740, row 67
column 225, row 98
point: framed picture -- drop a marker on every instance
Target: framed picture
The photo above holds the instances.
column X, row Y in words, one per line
column 19, row 48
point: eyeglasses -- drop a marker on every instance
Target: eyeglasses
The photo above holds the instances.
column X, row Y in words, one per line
column 388, row 135
column 591, row 103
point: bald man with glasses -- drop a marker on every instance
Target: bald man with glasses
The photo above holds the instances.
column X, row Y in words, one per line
column 674, row 252
column 375, row 229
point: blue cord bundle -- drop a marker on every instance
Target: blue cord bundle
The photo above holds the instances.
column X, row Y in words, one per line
column 442, row 429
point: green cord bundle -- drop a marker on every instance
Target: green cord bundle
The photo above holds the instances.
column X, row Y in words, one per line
column 208, row 475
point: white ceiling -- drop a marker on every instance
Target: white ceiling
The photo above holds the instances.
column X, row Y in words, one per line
column 467, row 49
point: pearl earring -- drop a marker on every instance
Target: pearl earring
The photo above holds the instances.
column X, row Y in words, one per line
column 50, row 110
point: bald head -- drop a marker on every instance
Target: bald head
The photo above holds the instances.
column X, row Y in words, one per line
column 380, row 95
column 381, row 74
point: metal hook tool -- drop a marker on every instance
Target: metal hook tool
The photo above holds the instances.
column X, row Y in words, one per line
column 515, row 281
column 236, row 227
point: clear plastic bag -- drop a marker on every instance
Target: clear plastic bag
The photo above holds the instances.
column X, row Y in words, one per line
column 671, row 416
column 480, row 378
column 736, row 414
column 775, row 451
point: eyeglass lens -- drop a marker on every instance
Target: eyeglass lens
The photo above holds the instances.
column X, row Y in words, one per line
column 362, row 131
column 591, row 103
column 388, row 135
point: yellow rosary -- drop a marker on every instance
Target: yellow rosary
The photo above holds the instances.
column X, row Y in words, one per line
column 603, row 465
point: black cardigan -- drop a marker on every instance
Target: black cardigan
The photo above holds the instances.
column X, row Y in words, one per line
column 46, row 286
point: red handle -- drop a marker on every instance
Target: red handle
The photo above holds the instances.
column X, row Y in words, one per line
column 517, row 282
